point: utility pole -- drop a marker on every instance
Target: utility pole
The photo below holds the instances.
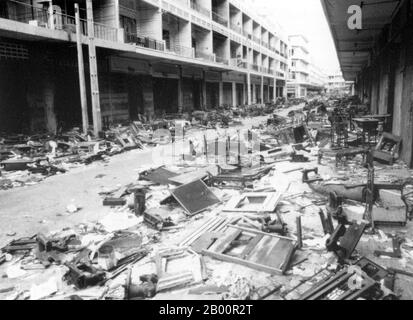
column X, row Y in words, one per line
column 81, row 67
column 94, row 84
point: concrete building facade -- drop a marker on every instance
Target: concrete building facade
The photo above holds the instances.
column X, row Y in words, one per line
column 338, row 86
column 299, row 67
column 304, row 75
column 152, row 56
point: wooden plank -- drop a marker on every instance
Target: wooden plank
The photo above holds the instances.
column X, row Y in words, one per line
column 253, row 243
column 227, row 241
column 278, row 254
column 262, row 250
column 260, row 232
column 223, row 240
column 242, row 262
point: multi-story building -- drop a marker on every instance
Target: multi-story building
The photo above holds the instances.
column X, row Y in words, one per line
column 304, row 76
column 338, row 86
column 152, row 56
column 299, row 68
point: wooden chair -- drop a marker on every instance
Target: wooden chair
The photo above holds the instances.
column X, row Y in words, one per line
column 388, row 148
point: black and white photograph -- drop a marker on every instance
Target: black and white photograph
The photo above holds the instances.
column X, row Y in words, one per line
column 200, row 156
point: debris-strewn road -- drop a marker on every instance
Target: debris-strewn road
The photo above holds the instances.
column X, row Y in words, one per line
column 42, row 207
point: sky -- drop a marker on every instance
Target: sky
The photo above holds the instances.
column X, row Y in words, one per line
column 305, row 17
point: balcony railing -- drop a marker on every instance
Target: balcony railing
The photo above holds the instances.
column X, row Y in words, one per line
column 219, row 19
column 105, row 32
column 236, row 28
column 238, row 63
column 271, row 71
column 256, row 39
column 145, row 42
column 221, row 60
column 264, row 70
column 40, row 17
column 247, row 34
column 204, row 56
column 255, row 67
column 202, row 10
column 180, row 50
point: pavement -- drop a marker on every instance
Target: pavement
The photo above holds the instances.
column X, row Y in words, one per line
column 28, row 210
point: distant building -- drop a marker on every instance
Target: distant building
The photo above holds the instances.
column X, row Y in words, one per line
column 304, row 75
column 338, row 86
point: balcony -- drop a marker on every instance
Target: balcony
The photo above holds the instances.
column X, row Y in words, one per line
column 256, row 39
column 40, row 17
column 198, row 8
column 247, row 35
column 204, row 56
column 236, row 28
column 221, row 60
column 238, row 63
column 219, row 19
column 271, row 71
column 180, row 50
column 265, row 44
column 145, row 42
column 264, row 70
column 255, row 67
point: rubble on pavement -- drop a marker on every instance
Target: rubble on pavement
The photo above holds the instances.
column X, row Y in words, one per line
column 278, row 222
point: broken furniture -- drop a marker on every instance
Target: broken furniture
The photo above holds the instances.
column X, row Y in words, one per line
column 256, row 202
column 114, row 202
column 83, row 275
column 158, row 218
column 198, row 174
column 213, row 225
column 335, row 205
column 350, row 153
column 307, row 179
column 254, row 249
column 23, row 244
column 159, row 176
column 344, row 239
column 393, row 210
column 388, row 148
column 339, row 126
column 396, row 253
column 368, row 130
column 358, row 281
column 16, row 164
column 139, row 292
column 195, row 197
column 240, row 179
column 178, row 267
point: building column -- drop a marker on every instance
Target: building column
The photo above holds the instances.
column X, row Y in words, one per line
column 275, row 89
column 234, row 94
column 180, row 92
column 148, row 98
column 49, row 101
column 203, row 91
column 221, row 93
column 249, row 96
column 262, row 90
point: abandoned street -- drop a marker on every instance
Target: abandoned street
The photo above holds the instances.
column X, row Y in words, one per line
column 206, row 150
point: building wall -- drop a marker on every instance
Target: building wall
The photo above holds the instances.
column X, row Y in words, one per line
column 388, row 85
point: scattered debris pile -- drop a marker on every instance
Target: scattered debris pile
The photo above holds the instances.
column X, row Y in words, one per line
column 304, row 216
